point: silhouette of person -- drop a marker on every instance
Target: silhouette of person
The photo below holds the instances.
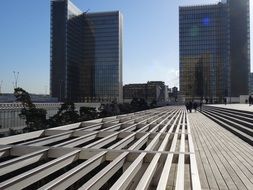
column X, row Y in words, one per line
column 250, row 100
column 190, row 106
column 200, row 105
column 225, row 101
column 195, row 106
column 187, row 106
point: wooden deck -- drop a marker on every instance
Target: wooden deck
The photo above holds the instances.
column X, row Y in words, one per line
column 164, row 148
column 151, row 149
column 224, row 160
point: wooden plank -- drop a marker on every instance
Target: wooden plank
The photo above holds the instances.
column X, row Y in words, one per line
column 47, row 140
column 129, row 174
column 102, row 142
column 21, row 137
column 77, row 141
column 22, row 161
column 155, row 128
column 150, row 172
column 162, row 184
column 225, row 175
column 126, row 178
column 165, row 122
column 25, row 179
column 195, row 179
column 105, row 174
column 124, row 142
column 204, row 158
column 238, row 168
column 67, row 127
column 4, row 151
column 163, row 130
column 70, row 177
column 180, row 168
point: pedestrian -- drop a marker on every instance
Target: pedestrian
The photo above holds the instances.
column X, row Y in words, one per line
column 250, row 100
column 200, row 105
column 225, row 101
column 187, row 106
column 195, row 106
column 190, row 106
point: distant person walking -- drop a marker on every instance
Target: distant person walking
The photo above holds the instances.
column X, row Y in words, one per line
column 187, row 106
column 190, row 106
column 195, row 106
column 250, row 100
column 200, row 105
column 225, row 101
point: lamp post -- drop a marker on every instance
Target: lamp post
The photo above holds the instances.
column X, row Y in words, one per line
column 16, row 74
column 1, row 83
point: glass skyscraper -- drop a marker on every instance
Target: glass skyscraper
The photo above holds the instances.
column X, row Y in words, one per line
column 214, row 55
column 86, row 54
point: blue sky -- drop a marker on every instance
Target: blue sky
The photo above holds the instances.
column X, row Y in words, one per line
column 151, row 49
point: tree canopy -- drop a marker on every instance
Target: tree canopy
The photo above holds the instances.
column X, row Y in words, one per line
column 35, row 117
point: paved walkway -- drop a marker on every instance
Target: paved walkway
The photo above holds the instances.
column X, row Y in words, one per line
column 244, row 107
column 224, row 161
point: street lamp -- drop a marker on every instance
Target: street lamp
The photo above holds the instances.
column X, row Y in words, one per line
column 1, row 83
column 16, row 74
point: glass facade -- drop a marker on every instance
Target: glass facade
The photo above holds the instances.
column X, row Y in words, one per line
column 251, row 84
column 92, row 68
column 206, row 69
column 108, row 54
column 59, row 13
column 240, row 46
column 80, row 59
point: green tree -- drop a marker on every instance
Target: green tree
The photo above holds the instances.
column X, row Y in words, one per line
column 110, row 109
column 24, row 98
column 35, row 117
column 65, row 115
column 153, row 104
column 12, row 132
column 88, row 113
column 139, row 104
column 125, row 108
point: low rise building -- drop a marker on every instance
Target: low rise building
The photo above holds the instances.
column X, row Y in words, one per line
column 150, row 91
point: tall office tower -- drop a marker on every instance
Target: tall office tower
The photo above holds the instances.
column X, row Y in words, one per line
column 239, row 19
column 86, row 54
column 251, row 84
column 214, row 53
column 61, row 12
